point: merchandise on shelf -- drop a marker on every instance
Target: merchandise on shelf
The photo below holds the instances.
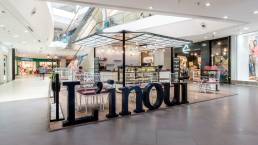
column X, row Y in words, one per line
column 139, row 74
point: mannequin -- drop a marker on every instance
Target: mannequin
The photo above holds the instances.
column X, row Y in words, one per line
column 255, row 54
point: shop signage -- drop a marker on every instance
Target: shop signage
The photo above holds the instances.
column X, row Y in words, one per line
column 186, row 49
column 26, row 59
column 142, row 98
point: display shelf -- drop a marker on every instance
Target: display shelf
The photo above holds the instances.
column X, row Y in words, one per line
column 139, row 74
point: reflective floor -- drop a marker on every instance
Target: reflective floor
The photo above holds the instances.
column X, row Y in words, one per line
column 226, row 121
column 24, row 88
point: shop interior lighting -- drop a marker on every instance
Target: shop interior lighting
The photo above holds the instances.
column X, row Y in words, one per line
column 225, row 17
column 140, row 38
column 2, row 26
column 255, row 12
column 246, row 28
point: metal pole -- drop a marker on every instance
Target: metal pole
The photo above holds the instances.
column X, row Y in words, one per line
column 172, row 60
column 52, row 64
column 123, row 58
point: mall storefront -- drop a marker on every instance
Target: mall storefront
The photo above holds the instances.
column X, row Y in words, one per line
column 245, row 58
column 198, row 57
column 7, row 62
column 30, row 66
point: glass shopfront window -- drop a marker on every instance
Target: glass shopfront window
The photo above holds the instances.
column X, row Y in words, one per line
column 220, row 57
column 247, row 57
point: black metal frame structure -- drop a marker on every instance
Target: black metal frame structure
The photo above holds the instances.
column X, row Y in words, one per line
column 124, row 38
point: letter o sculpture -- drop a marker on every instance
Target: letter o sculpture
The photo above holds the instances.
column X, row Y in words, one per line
column 146, row 96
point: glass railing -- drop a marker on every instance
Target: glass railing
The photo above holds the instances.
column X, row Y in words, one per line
column 126, row 17
column 114, row 20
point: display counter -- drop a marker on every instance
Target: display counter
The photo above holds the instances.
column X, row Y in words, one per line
column 139, row 74
column 164, row 76
column 109, row 75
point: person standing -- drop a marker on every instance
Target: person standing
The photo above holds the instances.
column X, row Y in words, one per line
column 42, row 72
column 79, row 74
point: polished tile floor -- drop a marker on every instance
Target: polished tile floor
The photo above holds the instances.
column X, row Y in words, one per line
column 24, row 88
column 226, row 121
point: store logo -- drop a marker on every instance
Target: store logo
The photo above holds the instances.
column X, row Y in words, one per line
column 142, row 98
column 186, row 49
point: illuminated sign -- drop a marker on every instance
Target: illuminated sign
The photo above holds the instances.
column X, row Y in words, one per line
column 186, row 49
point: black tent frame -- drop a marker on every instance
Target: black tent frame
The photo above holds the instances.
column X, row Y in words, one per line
column 100, row 39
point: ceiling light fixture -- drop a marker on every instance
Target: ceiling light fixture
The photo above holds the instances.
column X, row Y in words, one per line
column 26, row 31
column 2, row 26
column 255, row 12
column 225, row 17
column 207, row 4
column 214, row 33
column 150, row 8
column 246, row 28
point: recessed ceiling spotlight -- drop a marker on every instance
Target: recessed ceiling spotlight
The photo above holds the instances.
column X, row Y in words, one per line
column 207, row 4
column 255, row 12
column 214, row 33
column 2, row 26
column 225, row 17
column 15, row 36
column 26, row 31
column 246, row 28
column 150, row 7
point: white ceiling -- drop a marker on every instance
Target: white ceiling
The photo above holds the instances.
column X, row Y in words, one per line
column 19, row 16
column 28, row 33
column 240, row 17
column 237, row 10
column 193, row 29
column 146, row 23
column 66, row 16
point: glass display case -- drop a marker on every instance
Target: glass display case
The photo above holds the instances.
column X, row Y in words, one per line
column 139, row 74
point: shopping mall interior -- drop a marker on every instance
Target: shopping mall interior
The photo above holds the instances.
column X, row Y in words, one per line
column 148, row 72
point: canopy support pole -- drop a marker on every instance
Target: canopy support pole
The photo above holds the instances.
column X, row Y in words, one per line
column 172, row 59
column 123, row 58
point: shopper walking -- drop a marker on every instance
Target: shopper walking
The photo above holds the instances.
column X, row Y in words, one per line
column 42, row 72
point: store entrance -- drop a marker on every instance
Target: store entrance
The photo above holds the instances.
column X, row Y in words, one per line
column 31, row 66
column 190, row 64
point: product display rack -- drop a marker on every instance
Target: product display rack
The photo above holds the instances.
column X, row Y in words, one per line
column 139, row 74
